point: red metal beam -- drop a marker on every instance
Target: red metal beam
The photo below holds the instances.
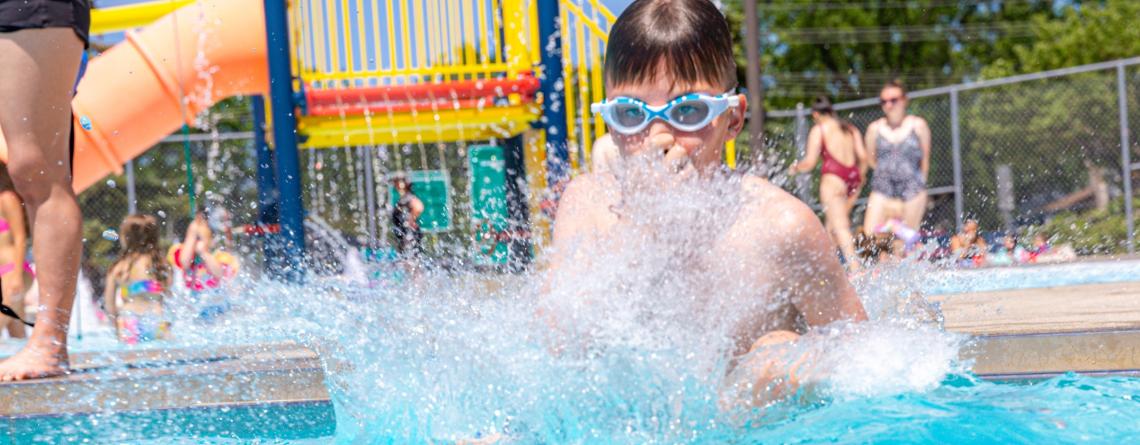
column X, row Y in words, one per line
column 525, row 85
column 404, row 107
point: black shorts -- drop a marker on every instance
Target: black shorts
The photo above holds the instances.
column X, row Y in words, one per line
column 16, row 15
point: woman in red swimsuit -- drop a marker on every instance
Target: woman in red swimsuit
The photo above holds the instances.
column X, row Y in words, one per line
column 841, row 176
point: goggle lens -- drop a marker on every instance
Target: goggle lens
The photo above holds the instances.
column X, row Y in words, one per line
column 689, row 113
column 629, row 115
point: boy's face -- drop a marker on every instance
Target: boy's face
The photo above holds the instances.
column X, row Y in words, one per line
column 703, row 149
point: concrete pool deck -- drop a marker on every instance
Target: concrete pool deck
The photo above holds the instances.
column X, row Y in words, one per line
column 1019, row 334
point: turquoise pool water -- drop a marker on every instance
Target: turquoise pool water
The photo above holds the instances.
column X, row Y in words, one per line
column 1028, row 277
column 962, row 410
column 446, row 361
column 273, row 423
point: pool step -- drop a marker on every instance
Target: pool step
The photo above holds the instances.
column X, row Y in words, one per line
column 1043, row 332
column 1039, row 356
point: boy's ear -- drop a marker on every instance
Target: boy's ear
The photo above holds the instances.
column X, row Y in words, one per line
column 736, row 124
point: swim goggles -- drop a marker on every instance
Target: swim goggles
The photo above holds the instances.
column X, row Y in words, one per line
column 690, row 112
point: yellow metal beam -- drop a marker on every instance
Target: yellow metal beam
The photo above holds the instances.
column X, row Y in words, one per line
column 122, row 18
column 424, row 126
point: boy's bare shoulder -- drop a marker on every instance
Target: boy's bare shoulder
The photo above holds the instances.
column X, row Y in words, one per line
column 589, row 188
column 775, row 213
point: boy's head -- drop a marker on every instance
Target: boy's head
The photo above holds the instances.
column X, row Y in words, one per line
column 661, row 50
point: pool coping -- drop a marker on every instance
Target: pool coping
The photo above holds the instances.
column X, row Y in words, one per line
column 172, row 379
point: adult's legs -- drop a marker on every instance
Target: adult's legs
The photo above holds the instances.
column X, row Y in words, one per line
column 837, row 216
column 914, row 209
column 876, row 213
column 39, row 71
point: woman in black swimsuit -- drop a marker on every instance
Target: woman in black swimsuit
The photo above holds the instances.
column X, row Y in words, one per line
column 405, row 216
column 41, row 45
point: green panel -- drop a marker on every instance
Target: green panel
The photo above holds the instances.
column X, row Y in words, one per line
column 488, row 202
column 434, row 189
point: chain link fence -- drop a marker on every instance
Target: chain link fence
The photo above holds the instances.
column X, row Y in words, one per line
column 1017, row 154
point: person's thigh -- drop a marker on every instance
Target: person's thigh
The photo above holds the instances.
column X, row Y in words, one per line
column 833, row 197
column 913, row 211
column 875, row 214
column 39, row 70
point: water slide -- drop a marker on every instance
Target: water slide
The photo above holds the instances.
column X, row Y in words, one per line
column 144, row 88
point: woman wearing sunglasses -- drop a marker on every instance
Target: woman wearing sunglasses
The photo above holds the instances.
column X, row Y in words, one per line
column 898, row 149
column 840, row 146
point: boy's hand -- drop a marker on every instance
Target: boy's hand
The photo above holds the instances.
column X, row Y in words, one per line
column 676, row 156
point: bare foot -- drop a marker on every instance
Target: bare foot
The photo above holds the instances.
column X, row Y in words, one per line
column 34, row 362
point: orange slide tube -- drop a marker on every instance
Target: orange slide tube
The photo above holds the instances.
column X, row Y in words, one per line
column 146, row 87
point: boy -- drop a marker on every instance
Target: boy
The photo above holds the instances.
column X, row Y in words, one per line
column 670, row 77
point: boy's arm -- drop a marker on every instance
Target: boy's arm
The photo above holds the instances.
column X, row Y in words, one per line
column 820, row 289
column 573, row 219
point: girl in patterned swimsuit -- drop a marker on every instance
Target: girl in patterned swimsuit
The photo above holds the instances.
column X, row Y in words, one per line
column 137, row 283
column 841, row 177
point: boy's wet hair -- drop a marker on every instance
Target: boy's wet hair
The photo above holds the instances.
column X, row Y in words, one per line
column 691, row 37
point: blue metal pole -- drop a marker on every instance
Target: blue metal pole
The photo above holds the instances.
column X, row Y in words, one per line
column 285, row 140
column 553, row 103
column 518, row 225
column 268, row 212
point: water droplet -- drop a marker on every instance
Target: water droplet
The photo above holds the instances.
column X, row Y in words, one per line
column 111, row 183
column 110, row 235
column 161, row 214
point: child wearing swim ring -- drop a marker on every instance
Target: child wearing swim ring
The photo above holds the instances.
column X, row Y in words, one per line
column 137, row 283
column 204, row 271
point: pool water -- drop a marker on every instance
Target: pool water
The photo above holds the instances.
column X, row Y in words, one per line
column 962, row 410
column 1030, row 277
column 242, row 424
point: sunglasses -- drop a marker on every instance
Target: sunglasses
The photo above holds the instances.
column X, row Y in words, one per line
column 690, row 112
column 892, row 101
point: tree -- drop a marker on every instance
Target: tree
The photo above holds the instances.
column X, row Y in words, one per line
column 1061, row 134
column 849, row 49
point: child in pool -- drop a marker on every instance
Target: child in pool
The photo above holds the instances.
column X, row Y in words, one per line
column 204, row 271
column 137, row 283
column 670, row 79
